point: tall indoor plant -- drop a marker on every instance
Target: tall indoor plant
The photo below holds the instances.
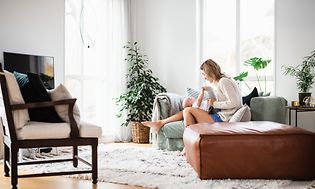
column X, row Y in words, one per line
column 257, row 63
column 304, row 74
column 142, row 87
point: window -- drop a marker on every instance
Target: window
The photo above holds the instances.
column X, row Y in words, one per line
column 95, row 33
column 234, row 31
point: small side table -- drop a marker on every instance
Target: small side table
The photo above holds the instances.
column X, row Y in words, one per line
column 298, row 109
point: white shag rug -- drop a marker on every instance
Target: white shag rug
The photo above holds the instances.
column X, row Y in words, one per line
column 148, row 167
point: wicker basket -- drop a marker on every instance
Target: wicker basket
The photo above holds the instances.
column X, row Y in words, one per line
column 140, row 133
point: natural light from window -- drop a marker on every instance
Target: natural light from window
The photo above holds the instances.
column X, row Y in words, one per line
column 245, row 29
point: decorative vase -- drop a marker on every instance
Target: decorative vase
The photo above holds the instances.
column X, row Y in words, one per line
column 302, row 96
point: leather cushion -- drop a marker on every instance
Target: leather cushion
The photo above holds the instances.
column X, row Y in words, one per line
column 250, row 150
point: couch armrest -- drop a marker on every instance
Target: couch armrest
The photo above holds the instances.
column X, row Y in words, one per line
column 166, row 104
column 271, row 108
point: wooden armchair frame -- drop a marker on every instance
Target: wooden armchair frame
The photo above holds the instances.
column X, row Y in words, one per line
column 12, row 144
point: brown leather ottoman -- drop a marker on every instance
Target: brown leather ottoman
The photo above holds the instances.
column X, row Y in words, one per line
column 250, row 150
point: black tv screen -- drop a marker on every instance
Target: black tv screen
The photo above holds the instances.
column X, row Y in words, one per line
column 23, row 63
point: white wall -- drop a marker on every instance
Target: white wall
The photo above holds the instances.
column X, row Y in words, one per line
column 166, row 32
column 34, row 27
column 295, row 39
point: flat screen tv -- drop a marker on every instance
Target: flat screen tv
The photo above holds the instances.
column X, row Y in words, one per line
column 23, row 63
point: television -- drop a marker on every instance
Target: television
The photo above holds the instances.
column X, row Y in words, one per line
column 23, row 63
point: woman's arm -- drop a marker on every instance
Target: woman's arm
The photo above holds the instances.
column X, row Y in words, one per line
column 231, row 92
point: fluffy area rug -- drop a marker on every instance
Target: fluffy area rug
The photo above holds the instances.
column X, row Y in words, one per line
column 148, row 167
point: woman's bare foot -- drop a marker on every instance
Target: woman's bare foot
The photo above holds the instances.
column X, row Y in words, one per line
column 154, row 125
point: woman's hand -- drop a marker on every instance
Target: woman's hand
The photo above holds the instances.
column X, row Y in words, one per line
column 211, row 101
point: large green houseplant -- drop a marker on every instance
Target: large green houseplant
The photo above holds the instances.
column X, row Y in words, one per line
column 141, row 90
column 257, row 63
column 304, row 74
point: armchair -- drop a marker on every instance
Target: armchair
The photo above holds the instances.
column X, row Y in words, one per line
column 41, row 134
column 170, row 137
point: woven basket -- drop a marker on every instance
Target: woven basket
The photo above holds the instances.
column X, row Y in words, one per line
column 140, row 133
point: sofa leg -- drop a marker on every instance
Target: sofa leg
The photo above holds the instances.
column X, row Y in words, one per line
column 74, row 156
column 94, row 163
column 14, row 170
column 6, row 159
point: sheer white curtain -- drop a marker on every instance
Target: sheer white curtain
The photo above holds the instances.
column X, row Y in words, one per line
column 95, row 32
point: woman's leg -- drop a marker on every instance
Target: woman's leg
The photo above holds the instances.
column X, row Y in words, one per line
column 157, row 125
column 195, row 115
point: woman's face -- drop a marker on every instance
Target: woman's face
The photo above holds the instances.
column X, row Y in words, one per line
column 207, row 77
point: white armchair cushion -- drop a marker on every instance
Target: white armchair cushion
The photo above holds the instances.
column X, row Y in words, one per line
column 61, row 93
column 43, row 130
column 20, row 117
column 90, row 130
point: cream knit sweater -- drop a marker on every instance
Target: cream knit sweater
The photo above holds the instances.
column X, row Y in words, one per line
column 229, row 98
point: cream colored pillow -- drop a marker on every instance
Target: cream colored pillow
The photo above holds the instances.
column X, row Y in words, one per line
column 61, row 93
column 241, row 115
column 20, row 117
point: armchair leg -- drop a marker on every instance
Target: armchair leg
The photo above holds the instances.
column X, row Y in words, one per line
column 14, row 170
column 6, row 159
column 74, row 154
column 94, row 163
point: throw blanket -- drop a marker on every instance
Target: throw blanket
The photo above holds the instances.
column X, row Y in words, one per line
column 173, row 100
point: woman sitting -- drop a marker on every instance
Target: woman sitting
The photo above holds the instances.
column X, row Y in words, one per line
column 227, row 98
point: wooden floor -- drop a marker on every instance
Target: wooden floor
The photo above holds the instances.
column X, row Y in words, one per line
column 60, row 182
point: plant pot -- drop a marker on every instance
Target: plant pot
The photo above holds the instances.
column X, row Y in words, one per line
column 302, row 96
column 140, row 133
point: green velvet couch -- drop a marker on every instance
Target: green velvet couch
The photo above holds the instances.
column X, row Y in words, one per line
column 170, row 137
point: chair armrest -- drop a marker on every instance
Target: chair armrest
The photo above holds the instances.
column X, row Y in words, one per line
column 43, row 104
column 73, row 125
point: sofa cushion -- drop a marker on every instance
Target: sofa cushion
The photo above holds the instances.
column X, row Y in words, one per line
column 61, row 93
column 241, row 115
column 271, row 108
column 247, row 99
column 20, row 117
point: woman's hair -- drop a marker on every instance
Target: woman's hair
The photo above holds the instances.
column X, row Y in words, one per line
column 211, row 68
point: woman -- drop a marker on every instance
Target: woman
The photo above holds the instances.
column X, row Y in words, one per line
column 228, row 100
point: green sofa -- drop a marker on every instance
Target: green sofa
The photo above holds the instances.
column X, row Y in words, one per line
column 170, row 137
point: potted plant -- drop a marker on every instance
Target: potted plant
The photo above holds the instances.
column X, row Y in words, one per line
column 304, row 74
column 257, row 64
column 141, row 90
